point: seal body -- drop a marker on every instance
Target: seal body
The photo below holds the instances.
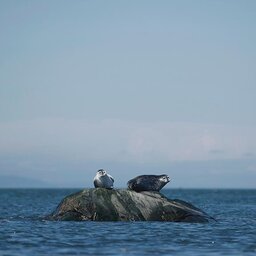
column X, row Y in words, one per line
column 148, row 182
column 103, row 180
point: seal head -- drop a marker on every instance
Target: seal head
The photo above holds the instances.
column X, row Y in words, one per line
column 103, row 180
column 148, row 182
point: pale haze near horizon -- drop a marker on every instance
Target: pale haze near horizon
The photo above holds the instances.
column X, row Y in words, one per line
column 133, row 87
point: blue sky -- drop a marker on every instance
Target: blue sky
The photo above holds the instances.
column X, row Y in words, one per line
column 131, row 86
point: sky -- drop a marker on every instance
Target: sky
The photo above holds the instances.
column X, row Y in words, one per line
column 134, row 87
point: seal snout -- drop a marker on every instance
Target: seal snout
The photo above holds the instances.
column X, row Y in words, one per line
column 164, row 178
column 101, row 172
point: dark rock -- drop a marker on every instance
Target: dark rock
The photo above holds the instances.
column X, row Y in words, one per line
column 101, row 204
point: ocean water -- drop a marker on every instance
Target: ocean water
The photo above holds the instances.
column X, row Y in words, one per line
column 24, row 230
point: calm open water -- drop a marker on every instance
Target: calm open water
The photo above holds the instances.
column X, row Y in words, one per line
column 23, row 230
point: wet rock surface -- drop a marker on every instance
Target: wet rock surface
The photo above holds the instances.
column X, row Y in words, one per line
column 100, row 204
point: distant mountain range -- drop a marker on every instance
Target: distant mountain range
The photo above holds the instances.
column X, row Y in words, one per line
column 22, row 182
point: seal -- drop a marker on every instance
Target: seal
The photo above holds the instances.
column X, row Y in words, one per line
column 148, row 182
column 103, row 180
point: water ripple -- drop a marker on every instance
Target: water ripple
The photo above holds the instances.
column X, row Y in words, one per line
column 25, row 232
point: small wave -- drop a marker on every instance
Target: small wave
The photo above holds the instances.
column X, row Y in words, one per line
column 23, row 218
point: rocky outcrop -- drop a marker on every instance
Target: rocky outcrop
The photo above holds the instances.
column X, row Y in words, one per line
column 101, row 204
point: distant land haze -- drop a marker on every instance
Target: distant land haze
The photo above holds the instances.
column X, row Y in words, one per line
column 22, row 182
column 190, row 174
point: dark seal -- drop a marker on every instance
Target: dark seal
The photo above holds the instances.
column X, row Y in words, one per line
column 148, row 182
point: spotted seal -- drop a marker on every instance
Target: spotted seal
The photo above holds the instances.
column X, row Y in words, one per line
column 103, row 180
column 148, row 182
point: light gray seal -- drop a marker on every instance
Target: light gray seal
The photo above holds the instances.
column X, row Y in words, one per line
column 103, row 180
column 148, row 182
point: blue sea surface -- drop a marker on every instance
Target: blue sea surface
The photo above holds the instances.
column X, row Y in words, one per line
column 25, row 231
